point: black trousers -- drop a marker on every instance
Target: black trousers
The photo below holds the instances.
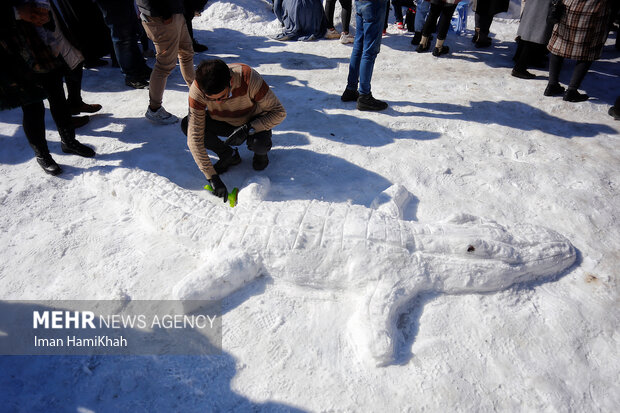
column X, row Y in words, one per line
column 437, row 10
column 33, row 119
column 259, row 143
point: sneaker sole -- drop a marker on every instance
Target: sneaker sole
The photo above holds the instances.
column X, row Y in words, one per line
column 162, row 121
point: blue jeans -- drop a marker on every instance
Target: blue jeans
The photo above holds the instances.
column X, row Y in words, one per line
column 369, row 18
column 421, row 13
column 120, row 17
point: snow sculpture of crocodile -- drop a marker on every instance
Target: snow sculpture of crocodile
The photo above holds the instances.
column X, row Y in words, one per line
column 387, row 260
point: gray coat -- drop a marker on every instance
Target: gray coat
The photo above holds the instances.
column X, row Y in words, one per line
column 533, row 26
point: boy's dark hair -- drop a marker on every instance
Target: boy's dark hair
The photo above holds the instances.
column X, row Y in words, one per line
column 212, row 76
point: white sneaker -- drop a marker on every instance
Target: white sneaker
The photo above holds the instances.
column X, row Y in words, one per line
column 161, row 116
column 346, row 38
column 332, row 34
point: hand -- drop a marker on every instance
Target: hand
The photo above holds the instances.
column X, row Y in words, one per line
column 33, row 14
column 219, row 189
column 239, row 135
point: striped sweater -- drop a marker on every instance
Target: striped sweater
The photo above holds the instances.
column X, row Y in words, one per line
column 251, row 101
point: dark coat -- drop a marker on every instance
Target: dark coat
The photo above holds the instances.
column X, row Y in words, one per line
column 582, row 31
column 23, row 54
column 302, row 19
column 82, row 23
column 490, row 7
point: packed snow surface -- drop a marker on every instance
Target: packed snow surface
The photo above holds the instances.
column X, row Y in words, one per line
column 458, row 251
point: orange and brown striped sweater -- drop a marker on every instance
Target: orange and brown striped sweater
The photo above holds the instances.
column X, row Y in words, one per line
column 251, row 100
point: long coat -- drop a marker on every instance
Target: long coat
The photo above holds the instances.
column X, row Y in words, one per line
column 533, row 26
column 490, row 7
column 582, row 31
column 302, row 19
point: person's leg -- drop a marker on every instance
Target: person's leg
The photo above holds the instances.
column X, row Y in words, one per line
column 371, row 11
column 555, row 66
column 120, row 16
column 330, row 6
column 52, row 83
column 165, row 37
column 398, row 10
column 73, row 80
column 442, row 31
column 260, row 144
column 429, row 27
column 186, row 54
column 444, row 24
column 483, row 24
column 387, row 15
column 356, row 54
column 523, row 59
column 59, row 107
column 345, row 14
column 580, row 71
column 33, row 122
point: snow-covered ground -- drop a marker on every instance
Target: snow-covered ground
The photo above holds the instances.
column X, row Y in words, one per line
column 461, row 136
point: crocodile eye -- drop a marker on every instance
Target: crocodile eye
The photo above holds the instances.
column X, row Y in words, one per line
column 471, row 248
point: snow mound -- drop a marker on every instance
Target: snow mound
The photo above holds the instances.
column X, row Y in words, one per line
column 392, row 201
column 255, row 189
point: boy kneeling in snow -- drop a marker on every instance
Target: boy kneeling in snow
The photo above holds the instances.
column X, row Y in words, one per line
column 232, row 101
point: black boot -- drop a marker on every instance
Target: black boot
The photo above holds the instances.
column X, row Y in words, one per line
column 71, row 145
column 222, row 165
column 349, row 95
column 369, row 103
column 260, row 162
column 438, row 51
column 554, row 89
column 416, row 38
column 48, row 164
column 573, row 95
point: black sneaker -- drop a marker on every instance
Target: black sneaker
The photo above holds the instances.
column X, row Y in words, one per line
column 350, row 95
column 416, row 38
column 369, row 103
column 260, row 162
column 137, row 83
column 439, row 51
column 522, row 74
column 555, row 89
column 222, row 165
column 483, row 42
column 421, row 48
column 75, row 147
column 572, row 95
column 49, row 165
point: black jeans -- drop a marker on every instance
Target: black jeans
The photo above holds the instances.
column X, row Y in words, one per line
column 33, row 119
column 345, row 14
column 33, row 122
column 259, row 143
column 398, row 8
column 437, row 10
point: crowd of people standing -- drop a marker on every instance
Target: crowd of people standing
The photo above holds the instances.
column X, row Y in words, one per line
column 49, row 42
